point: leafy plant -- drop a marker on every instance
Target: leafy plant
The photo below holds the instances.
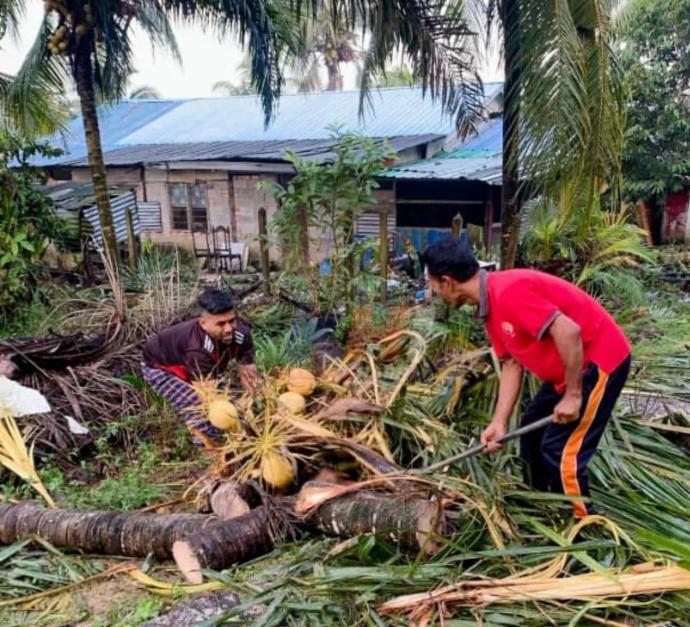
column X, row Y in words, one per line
column 294, row 348
column 27, row 223
column 329, row 195
column 654, row 36
column 581, row 240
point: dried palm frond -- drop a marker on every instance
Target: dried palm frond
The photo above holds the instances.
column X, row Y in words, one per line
column 642, row 579
column 17, row 458
column 18, row 400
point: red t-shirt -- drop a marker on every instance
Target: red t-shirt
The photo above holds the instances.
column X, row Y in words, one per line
column 519, row 306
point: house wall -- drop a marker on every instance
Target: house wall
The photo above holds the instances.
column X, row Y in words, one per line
column 233, row 200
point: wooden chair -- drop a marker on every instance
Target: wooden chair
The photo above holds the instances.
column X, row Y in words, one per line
column 239, row 252
column 202, row 246
column 222, row 248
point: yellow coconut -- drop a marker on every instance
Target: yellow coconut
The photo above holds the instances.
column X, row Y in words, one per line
column 222, row 414
column 292, row 402
column 276, row 470
column 301, row 381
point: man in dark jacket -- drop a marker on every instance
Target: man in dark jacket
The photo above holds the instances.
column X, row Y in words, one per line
column 199, row 349
column 553, row 329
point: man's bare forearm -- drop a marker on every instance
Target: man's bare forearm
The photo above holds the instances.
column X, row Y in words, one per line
column 508, row 391
column 566, row 337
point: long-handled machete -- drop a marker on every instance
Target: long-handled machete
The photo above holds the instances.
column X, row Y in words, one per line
column 475, row 450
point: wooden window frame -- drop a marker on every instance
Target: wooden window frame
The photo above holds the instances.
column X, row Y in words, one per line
column 189, row 208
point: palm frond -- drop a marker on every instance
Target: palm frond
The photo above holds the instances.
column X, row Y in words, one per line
column 11, row 12
column 33, row 101
column 570, row 95
column 436, row 39
column 251, row 21
column 145, row 92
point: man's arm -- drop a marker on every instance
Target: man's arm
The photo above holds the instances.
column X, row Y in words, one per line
column 246, row 368
column 508, row 393
column 566, row 336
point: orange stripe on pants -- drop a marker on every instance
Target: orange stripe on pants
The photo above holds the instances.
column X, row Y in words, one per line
column 571, row 485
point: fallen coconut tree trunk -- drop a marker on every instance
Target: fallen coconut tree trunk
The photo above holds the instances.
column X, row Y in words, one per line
column 132, row 534
column 412, row 523
column 231, row 541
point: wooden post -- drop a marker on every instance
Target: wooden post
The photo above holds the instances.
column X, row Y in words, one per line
column 383, row 235
column 131, row 240
column 263, row 247
column 303, row 226
column 488, row 220
column 455, row 228
column 456, row 225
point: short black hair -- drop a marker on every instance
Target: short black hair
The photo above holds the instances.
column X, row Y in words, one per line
column 215, row 301
column 451, row 256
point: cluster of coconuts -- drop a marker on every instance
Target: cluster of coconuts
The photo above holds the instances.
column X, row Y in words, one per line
column 276, row 470
column 70, row 27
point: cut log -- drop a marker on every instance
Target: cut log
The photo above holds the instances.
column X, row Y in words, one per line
column 412, row 523
column 132, row 534
column 228, row 499
column 231, row 541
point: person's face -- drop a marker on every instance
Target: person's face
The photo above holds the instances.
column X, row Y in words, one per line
column 221, row 327
column 448, row 289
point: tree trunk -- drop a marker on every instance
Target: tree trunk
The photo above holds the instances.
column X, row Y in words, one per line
column 83, row 77
column 510, row 214
column 335, row 79
column 133, row 534
column 383, row 242
column 410, row 522
column 230, row 541
column 263, row 248
column 228, row 499
column 303, row 226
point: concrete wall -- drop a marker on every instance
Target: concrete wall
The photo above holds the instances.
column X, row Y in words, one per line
column 233, row 200
column 248, row 200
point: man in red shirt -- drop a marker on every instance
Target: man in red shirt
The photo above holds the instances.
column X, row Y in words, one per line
column 559, row 333
column 197, row 349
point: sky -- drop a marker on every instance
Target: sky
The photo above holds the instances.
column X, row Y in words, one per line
column 205, row 59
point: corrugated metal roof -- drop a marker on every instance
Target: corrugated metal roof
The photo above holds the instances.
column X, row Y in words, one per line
column 489, row 139
column 487, row 170
column 238, row 151
column 75, row 203
column 397, row 111
column 476, row 159
column 115, row 122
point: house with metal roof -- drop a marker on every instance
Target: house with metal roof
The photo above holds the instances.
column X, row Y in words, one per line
column 200, row 162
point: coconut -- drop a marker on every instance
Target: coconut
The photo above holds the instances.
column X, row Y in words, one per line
column 292, row 402
column 276, row 470
column 301, row 381
column 222, row 414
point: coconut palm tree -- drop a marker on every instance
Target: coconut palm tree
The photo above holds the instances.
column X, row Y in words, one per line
column 562, row 102
column 144, row 92
column 90, row 43
column 44, row 108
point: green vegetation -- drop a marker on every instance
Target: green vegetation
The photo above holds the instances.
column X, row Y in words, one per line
column 27, row 224
column 653, row 43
